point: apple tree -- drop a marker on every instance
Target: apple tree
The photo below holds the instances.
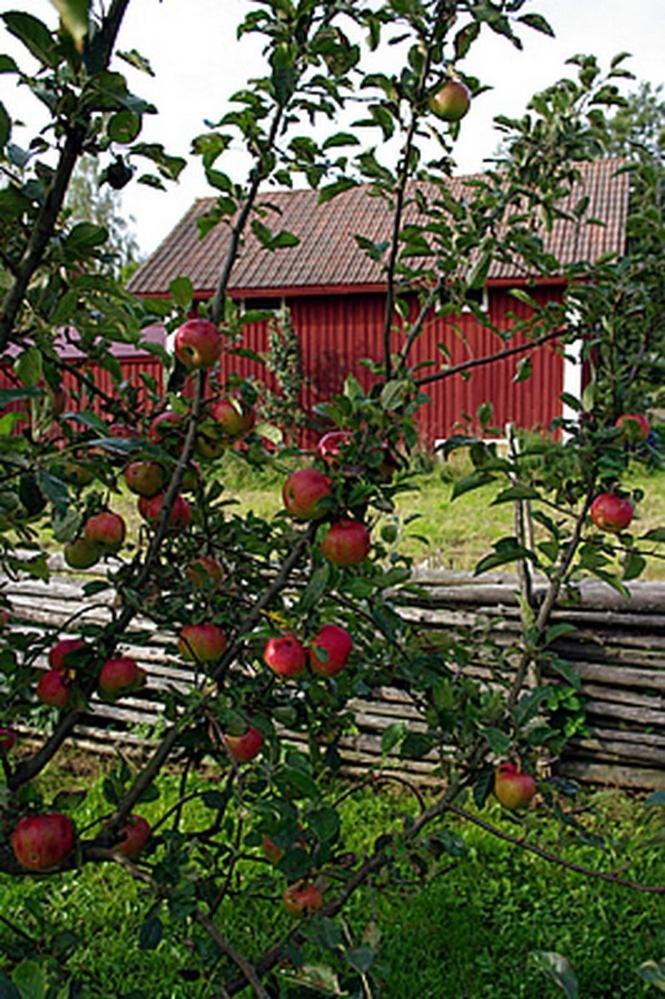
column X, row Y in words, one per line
column 280, row 624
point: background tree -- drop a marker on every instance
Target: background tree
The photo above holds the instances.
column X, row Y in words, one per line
column 90, row 198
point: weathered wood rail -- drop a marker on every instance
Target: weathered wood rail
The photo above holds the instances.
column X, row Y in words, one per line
column 618, row 650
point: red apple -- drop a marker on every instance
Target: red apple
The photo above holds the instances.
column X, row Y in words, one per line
column 246, row 746
column 105, row 530
column 145, row 478
column 204, row 572
column 331, row 445
column 202, row 643
column 5, row 615
column 198, row 344
column 634, row 426
column 330, row 650
column 179, row 518
column 513, row 788
column 62, row 655
column 306, row 494
column 346, row 542
column 611, row 513
column 451, row 101
column 41, row 842
column 80, row 554
column 285, row 655
column 166, row 428
column 53, row 688
column 302, row 898
column 8, row 737
column 133, row 836
column 233, row 417
column 120, row 676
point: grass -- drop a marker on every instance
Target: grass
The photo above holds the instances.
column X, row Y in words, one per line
column 469, row 933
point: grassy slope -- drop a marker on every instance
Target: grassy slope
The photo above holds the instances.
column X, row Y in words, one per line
column 467, row 935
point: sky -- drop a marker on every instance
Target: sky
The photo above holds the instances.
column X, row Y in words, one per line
column 192, row 47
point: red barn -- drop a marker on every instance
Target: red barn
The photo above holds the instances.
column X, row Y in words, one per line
column 336, row 297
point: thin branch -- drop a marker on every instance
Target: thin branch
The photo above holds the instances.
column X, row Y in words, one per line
column 476, row 362
column 554, row 858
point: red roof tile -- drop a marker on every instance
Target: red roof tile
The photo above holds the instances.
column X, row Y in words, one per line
column 328, row 256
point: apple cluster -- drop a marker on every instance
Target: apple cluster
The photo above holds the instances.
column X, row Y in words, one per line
column 57, row 685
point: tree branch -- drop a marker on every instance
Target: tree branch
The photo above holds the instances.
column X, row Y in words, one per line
column 476, row 362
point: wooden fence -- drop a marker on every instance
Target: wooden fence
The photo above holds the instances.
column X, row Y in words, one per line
column 618, row 650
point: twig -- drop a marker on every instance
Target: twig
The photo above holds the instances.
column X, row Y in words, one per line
column 475, row 362
column 554, row 858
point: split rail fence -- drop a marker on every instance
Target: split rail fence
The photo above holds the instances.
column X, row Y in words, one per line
column 618, row 650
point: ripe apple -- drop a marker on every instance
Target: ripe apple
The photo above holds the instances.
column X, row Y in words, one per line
column 179, row 518
column 81, row 554
column 634, row 426
column 41, row 842
column 202, row 643
column 120, row 676
column 198, row 344
column 62, row 655
column 133, row 836
column 306, row 494
column 5, row 615
column 204, row 572
column 513, row 788
column 302, row 898
column 53, row 688
column 166, row 428
column 106, row 531
column 145, row 478
column 233, row 417
column 330, row 650
column 8, row 738
column 611, row 513
column 285, row 655
column 331, row 445
column 346, row 542
column 246, row 746
column 451, row 101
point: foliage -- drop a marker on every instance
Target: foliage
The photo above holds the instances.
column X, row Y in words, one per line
column 274, row 579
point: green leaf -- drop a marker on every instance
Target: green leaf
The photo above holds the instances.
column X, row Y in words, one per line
column 483, row 786
column 35, row 36
column 181, row 290
column 341, row 139
column 538, row 23
column 497, row 740
column 85, row 236
column 325, row 824
column 657, row 534
column 30, row 979
column 74, row 19
column 655, row 798
column 136, row 60
column 7, row 64
column 151, row 933
column 360, row 958
column 654, row 973
column 524, row 370
column 558, row 968
column 28, row 366
column 519, row 491
column 465, row 38
column 392, row 736
column 5, row 125
column 124, row 126
column 469, row 482
column 558, row 631
column 506, row 550
column 331, row 191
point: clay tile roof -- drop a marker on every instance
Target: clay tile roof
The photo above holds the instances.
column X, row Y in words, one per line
column 328, row 256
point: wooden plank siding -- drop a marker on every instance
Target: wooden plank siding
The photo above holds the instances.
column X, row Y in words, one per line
column 618, row 650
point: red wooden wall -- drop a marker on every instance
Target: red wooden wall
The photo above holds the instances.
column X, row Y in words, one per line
column 338, row 331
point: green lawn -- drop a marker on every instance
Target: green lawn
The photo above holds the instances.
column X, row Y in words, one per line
column 469, row 933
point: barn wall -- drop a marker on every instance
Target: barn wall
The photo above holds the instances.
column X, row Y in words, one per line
column 337, row 332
